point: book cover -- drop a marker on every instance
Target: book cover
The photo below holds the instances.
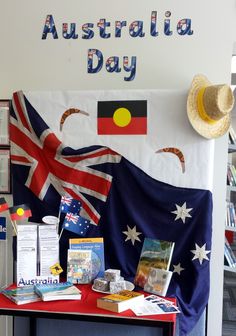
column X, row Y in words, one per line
column 155, row 253
column 60, row 291
column 79, row 266
column 22, row 295
column 121, row 301
column 158, row 281
column 97, row 247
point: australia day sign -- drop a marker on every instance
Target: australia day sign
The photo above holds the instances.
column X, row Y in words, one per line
column 158, row 25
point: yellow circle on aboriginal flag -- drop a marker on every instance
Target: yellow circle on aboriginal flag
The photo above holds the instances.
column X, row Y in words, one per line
column 20, row 212
column 122, row 117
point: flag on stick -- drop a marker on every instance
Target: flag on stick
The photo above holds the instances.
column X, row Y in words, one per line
column 76, row 224
column 3, row 204
column 69, row 204
column 20, row 212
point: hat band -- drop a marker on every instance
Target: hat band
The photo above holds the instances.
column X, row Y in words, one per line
column 201, row 110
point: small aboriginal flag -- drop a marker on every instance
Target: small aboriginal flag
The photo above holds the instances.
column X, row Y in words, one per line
column 122, row 117
column 3, row 204
column 20, row 212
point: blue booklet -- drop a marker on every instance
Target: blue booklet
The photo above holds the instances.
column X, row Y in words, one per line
column 22, row 295
column 96, row 246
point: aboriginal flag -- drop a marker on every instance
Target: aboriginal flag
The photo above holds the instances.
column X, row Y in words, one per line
column 3, row 204
column 122, row 117
column 20, row 212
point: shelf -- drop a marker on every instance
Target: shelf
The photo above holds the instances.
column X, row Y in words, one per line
column 232, row 148
column 230, row 228
column 231, row 188
column 229, row 269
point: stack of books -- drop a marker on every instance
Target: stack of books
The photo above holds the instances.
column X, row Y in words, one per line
column 22, row 295
column 230, row 215
column 58, row 291
column 230, row 258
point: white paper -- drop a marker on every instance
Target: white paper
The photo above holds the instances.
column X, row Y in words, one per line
column 26, row 251
column 4, row 171
column 155, row 305
column 48, row 248
column 4, row 125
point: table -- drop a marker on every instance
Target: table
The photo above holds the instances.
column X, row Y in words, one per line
column 84, row 310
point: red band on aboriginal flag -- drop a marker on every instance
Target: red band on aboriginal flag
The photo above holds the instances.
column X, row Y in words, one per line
column 3, row 204
column 20, row 212
column 122, row 117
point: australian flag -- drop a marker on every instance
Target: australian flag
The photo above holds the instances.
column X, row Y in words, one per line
column 123, row 203
column 76, row 224
column 68, row 204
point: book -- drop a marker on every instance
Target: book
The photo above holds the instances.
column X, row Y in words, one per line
column 158, row 281
column 79, row 266
column 22, row 295
column 96, row 245
column 58, row 291
column 229, row 254
column 155, row 253
column 121, row 301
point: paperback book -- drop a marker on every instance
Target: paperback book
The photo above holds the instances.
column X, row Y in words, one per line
column 156, row 254
column 96, row 245
column 158, row 281
column 79, row 266
column 121, row 301
column 22, row 295
column 60, row 291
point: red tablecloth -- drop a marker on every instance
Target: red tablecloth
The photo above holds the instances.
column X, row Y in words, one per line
column 87, row 305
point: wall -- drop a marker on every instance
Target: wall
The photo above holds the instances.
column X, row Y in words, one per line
column 6, row 271
column 30, row 63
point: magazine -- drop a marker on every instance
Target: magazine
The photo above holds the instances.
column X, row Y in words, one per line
column 22, row 295
column 155, row 253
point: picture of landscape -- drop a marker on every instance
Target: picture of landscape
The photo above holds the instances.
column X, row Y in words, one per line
column 155, row 253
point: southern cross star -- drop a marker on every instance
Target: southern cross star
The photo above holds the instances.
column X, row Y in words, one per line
column 200, row 253
column 182, row 212
column 132, row 234
column 178, row 269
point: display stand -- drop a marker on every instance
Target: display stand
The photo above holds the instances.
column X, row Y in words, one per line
column 84, row 310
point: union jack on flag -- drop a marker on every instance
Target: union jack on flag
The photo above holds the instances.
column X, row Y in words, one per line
column 53, row 167
column 76, row 224
column 70, row 217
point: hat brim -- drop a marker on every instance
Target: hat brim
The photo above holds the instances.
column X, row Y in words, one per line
column 209, row 131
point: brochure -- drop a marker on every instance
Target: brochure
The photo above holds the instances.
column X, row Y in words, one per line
column 155, row 305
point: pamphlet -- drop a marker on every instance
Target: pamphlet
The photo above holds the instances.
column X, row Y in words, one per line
column 48, row 248
column 155, row 305
column 26, row 252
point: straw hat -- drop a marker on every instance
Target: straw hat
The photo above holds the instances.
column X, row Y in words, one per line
column 209, row 107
